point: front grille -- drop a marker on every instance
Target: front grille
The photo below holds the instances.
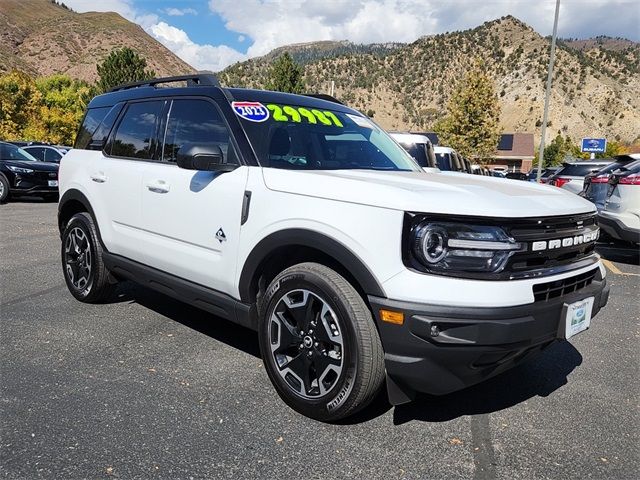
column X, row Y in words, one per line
column 546, row 291
column 537, row 230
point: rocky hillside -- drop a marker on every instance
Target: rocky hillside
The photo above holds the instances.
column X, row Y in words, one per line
column 42, row 38
column 596, row 83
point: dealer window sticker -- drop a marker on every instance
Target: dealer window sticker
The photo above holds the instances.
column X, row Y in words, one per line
column 289, row 113
column 252, row 111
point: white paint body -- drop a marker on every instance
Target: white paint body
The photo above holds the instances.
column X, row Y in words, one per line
column 167, row 217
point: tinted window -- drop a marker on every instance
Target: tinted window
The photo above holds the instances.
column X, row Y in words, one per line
column 99, row 137
column 38, row 152
column 577, row 170
column 51, row 155
column 444, row 161
column 90, row 123
column 418, row 151
column 196, row 122
column 135, row 136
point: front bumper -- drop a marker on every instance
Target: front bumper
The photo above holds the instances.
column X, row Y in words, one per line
column 35, row 183
column 617, row 229
column 439, row 349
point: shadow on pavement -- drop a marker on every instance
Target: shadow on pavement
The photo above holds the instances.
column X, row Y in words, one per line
column 540, row 377
column 619, row 252
column 206, row 323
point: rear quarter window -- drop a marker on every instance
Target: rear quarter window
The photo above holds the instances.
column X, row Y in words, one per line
column 92, row 119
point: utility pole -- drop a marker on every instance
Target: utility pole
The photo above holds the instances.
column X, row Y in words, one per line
column 545, row 115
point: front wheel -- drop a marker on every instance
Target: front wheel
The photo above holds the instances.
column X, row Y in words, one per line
column 319, row 343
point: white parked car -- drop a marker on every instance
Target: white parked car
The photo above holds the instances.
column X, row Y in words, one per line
column 620, row 217
column 300, row 218
column 571, row 175
column 419, row 147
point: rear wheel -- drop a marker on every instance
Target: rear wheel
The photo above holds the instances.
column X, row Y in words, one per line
column 4, row 189
column 86, row 275
column 319, row 343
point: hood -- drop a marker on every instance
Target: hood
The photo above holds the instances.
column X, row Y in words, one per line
column 33, row 165
column 450, row 193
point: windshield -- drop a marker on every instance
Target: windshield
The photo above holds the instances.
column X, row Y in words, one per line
column 298, row 138
column 11, row 152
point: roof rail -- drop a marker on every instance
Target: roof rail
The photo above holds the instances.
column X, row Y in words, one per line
column 323, row 96
column 201, row 78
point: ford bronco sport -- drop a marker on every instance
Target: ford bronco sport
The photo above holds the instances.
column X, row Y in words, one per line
column 300, row 218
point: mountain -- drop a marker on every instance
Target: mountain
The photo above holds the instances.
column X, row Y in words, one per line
column 596, row 85
column 41, row 37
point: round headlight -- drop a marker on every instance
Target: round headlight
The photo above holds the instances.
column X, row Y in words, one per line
column 433, row 243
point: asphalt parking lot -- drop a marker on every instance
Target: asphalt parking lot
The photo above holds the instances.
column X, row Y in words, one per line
column 147, row 387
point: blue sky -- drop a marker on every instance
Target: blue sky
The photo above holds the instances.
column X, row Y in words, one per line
column 212, row 34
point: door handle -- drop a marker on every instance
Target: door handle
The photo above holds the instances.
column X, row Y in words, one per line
column 99, row 177
column 158, row 186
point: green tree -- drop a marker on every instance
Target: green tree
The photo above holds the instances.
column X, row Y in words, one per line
column 48, row 109
column 20, row 107
column 472, row 123
column 122, row 66
column 285, row 75
column 556, row 151
column 64, row 101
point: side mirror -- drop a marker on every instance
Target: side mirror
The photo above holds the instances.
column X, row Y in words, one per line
column 203, row 156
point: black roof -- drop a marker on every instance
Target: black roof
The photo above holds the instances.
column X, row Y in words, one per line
column 149, row 90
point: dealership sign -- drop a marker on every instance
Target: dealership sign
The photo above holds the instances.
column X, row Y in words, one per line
column 593, row 145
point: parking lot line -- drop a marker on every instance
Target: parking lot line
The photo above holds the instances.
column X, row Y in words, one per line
column 610, row 265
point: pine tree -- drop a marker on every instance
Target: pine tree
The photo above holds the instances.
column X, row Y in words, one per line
column 122, row 66
column 285, row 76
column 472, row 124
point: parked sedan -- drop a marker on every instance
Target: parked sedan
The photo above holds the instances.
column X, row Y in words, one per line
column 23, row 174
column 596, row 185
column 45, row 153
column 571, row 175
column 518, row 176
column 620, row 217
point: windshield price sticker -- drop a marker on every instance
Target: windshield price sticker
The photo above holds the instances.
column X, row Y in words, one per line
column 288, row 113
column 252, row 111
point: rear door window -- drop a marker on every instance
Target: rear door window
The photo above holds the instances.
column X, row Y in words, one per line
column 135, row 136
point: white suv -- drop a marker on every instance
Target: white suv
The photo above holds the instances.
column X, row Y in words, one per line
column 300, row 218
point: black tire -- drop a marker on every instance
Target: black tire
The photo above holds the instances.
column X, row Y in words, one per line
column 86, row 275
column 4, row 189
column 360, row 354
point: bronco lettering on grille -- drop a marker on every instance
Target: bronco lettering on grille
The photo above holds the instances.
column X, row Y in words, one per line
column 565, row 242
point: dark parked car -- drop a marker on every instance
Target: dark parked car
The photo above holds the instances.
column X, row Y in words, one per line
column 46, row 153
column 518, row 176
column 596, row 184
column 23, row 174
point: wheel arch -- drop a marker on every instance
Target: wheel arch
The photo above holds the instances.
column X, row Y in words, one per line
column 285, row 248
column 74, row 201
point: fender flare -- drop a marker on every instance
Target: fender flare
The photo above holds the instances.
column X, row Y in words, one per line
column 312, row 239
column 76, row 195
